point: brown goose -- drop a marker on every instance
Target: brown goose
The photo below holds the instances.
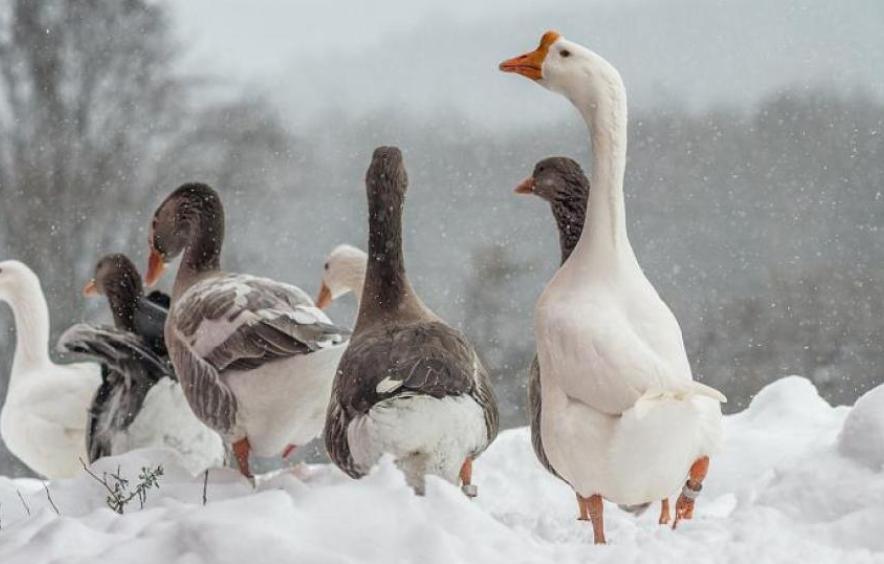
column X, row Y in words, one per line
column 139, row 403
column 256, row 358
column 409, row 384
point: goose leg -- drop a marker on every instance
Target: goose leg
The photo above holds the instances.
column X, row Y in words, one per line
column 584, row 510
column 241, row 449
column 466, row 479
column 664, row 511
column 684, row 506
column 289, row 450
column 596, row 515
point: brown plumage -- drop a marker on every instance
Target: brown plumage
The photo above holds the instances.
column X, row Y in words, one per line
column 400, row 351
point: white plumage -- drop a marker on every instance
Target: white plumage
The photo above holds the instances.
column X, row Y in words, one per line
column 44, row 416
column 621, row 414
column 166, row 421
column 284, row 403
column 426, row 435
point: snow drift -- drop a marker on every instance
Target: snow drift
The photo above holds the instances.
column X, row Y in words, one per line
column 795, row 483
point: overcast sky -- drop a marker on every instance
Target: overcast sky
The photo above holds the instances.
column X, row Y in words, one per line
column 359, row 56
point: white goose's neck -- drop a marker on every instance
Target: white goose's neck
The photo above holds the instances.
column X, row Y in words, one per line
column 31, row 330
column 604, row 243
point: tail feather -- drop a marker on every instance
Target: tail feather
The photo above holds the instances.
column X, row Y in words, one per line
column 689, row 389
column 701, row 389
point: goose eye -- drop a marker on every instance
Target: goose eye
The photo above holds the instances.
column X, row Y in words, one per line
column 565, row 53
column 325, row 266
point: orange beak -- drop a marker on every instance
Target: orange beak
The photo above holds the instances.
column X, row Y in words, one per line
column 90, row 290
column 156, row 266
column 530, row 65
column 324, row 298
column 526, row 186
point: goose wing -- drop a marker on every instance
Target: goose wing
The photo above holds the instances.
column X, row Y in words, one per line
column 129, row 369
column 241, row 322
column 427, row 358
column 603, row 362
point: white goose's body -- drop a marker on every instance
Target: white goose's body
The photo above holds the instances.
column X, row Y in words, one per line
column 45, row 412
column 294, row 413
column 621, row 415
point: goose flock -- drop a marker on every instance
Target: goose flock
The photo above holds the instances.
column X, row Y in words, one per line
column 241, row 362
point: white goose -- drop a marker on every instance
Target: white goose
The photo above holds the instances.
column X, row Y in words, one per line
column 45, row 414
column 622, row 418
column 343, row 272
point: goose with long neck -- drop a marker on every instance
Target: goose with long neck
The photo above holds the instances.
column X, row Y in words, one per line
column 256, row 357
column 622, row 418
column 139, row 403
column 409, row 384
column 44, row 416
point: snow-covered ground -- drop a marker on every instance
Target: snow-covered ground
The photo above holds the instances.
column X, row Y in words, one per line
column 789, row 487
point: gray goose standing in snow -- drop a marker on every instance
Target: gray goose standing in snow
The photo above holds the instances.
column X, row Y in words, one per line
column 409, row 384
column 256, row 358
column 139, row 403
column 561, row 182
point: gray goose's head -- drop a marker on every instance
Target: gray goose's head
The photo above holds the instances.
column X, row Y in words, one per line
column 556, row 179
column 117, row 278
column 561, row 182
column 114, row 274
column 192, row 218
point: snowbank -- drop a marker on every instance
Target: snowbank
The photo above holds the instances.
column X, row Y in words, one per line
column 781, row 491
column 862, row 437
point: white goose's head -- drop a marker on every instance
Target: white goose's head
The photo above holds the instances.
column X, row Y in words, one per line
column 570, row 69
column 344, row 272
column 17, row 280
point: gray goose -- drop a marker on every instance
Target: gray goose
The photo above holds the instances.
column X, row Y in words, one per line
column 408, row 384
column 561, row 182
column 256, row 357
column 139, row 403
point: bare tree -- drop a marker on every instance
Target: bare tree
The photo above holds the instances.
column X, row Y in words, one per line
column 89, row 98
column 96, row 124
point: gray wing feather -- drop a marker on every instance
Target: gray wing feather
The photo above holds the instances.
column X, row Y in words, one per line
column 129, row 369
column 111, row 346
column 267, row 321
column 336, row 443
column 425, row 357
column 285, row 322
column 211, row 399
column 534, row 412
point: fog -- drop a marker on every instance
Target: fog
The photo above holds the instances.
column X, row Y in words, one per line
column 754, row 175
column 442, row 55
